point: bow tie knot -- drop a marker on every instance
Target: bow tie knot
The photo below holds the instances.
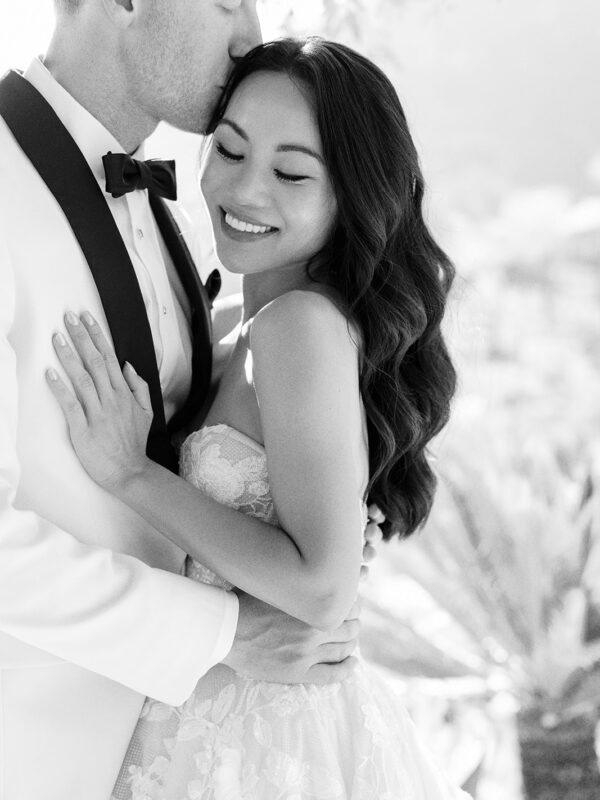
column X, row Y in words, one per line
column 126, row 174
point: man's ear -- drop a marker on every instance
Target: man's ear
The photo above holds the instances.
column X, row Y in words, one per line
column 121, row 12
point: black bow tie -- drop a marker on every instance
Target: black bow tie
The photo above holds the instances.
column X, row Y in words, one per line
column 126, row 174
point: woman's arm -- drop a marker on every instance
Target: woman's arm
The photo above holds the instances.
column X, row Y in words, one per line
column 307, row 387
column 305, row 368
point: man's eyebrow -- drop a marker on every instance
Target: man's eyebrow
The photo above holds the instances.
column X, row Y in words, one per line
column 283, row 148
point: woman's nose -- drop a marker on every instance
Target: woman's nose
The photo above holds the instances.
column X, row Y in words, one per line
column 249, row 187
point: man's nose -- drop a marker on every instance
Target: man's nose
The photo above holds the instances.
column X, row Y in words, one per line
column 248, row 33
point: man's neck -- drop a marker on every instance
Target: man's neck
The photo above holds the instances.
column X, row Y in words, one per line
column 98, row 89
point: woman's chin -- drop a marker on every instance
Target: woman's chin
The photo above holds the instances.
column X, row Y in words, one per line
column 231, row 266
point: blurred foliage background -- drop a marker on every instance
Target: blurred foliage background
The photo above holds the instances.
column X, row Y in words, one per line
column 488, row 620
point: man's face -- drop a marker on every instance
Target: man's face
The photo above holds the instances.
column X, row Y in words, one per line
column 177, row 55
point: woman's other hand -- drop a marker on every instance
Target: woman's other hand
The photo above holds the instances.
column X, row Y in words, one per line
column 373, row 537
column 108, row 411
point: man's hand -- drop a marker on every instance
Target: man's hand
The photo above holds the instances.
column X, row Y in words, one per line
column 271, row 646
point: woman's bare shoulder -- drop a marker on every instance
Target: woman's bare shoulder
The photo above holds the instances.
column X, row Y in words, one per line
column 303, row 317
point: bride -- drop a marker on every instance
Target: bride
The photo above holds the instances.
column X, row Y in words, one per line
column 338, row 378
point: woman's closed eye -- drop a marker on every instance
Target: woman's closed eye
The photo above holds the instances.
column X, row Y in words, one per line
column 227, row 154
column 286, row 177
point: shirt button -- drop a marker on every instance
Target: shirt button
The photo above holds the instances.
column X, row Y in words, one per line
column 164, row 310
column 139, row 233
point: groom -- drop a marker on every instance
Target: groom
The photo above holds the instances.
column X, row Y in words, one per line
column 93, row 615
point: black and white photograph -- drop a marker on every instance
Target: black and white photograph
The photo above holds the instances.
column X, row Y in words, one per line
column 299, row 400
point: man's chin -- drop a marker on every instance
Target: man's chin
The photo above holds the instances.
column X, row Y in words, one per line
column 191, row 122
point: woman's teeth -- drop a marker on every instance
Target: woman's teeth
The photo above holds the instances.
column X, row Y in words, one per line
column 246, row 227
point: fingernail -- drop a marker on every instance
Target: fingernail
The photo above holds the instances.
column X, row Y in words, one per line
column 131, row 367
column 72, row 319
column 89, row 320
column 60, row 339
column 52, row 374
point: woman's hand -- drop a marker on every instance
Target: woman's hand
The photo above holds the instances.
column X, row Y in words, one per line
column 372, row 538
column 109, row 412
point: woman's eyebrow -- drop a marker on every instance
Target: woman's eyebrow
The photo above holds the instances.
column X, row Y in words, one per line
column 240, row 131
column 300, row 148
column 282, row 148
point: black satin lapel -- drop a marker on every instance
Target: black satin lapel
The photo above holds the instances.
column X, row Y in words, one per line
column 59, row 162
column 201, row 320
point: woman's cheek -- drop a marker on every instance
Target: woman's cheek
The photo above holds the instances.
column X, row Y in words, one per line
column 206, row 183
column 321, row 220
column 212, row 178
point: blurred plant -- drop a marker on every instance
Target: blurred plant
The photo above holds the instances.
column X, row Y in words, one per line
column 512, row 555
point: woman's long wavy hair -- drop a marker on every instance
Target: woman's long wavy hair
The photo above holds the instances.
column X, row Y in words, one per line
column 381, row 259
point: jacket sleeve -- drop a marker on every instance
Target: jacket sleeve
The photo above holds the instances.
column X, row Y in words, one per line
column 110, row 613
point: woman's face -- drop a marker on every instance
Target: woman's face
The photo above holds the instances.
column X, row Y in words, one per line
column 270, row 199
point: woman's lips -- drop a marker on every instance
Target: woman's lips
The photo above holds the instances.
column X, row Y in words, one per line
column 244, row 230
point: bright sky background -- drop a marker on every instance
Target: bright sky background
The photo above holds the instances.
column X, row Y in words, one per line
column 24, row 30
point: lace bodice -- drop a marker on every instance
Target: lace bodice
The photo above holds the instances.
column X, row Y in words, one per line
column 231, row 468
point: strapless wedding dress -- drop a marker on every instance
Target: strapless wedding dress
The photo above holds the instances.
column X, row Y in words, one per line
column 241, row 739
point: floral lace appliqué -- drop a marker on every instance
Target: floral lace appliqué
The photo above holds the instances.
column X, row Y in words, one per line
column 231, row 468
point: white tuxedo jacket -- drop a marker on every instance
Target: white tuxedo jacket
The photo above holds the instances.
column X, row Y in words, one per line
column 92, row 617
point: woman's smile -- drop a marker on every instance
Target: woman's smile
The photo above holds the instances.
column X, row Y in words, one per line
column 233, row 224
